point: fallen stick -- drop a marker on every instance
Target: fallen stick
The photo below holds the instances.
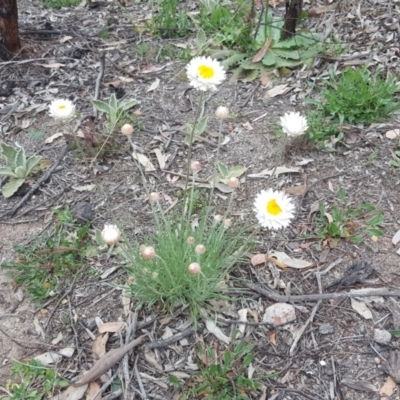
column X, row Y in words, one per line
column 315, row 297
column 108, row 361
column 36, row 185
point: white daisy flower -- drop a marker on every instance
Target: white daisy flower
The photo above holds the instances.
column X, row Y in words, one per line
column 274, row 210
column 62, row 109
column 204, row 73
column 294, row 124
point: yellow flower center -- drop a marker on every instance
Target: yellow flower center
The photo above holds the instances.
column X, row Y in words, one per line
column 206, row 72
column 62, row 107
column 273, row 207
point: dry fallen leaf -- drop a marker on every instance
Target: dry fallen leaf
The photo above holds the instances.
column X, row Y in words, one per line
column 277, row 91
column 361, row 308
column 388, row 387
column 247, row 126
column 99, row 345
column 53, row 65
column 275, row 171
column 53, row 137
column 261, row 53
column 148, row 166
column 92, row 391
column 112, row 326
column 154, row 85
column 72, row 393
column 212, row 328
column 296, row 190
column 396, row 238
column 287, row 261
column 258, row 259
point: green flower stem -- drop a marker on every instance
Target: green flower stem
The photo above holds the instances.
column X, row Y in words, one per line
column 191, row 137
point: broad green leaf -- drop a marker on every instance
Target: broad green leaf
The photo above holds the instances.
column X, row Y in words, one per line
column 201, row 125
column 236, row 171
column 269, row 59
column 223, row 170
column 113, row 103
column 234, row 59
column 6, row 171
column 101, row 106
column 374, row 231
column 294, row 54
column 127, row 104
column 20, row 172
column 395, row 333
column 341, row 194
column 376, row 219
column 9, row 154
column 98, row 237
column 20, row 158
column 11, row 187
column 282, row 62
column 32, row 163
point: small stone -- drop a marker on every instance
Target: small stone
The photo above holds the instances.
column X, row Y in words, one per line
column 381, row 336
column 377, row 360
column 82, row 212
column 279, row 314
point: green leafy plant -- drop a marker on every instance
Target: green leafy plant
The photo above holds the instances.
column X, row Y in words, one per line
column 51, row 262
column 349, row 223
column 17, row 168
column 322, row 131
column 358, row 96
column 115, row 109
column 222, row 376
column 230, row 25
column 169, row 21
column 35, row 381
column 165, row 277
column 268, row 50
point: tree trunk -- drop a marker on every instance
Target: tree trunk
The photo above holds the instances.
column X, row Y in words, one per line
column 293, row 13
column 9, row 25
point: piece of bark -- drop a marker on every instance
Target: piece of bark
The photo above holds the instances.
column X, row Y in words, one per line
column 392, row 365
column 9, row 25
column 293, row 13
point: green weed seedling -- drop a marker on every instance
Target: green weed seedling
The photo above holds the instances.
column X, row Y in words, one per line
column 51, row 262
column 35, row 382
column 396, row 157
column 350, row 223
column 222, row 376
column 323, row 132
column 17, row 168
column 115, row 110
column 359, row 96
column 169, row 21
column 60, row 3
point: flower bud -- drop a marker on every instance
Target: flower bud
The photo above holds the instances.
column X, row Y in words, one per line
column 218, row 218
column 154, row 275
column 200, row 249
column 195, row 166
column 233, row 183
column 127, row 129
column 110, row 234
column 228, row 223
column 222, row 113
column 154, row 196
column 194, row 268
column 191, row 240
column 148, row 253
